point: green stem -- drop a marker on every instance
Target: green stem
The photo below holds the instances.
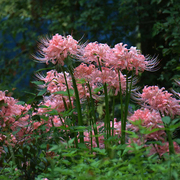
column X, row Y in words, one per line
column 94, row 115
column 80, row 118
column 113, row 115
column 170, row 140
column 67, row 86
column 66, row 129
column 65, row 105
column 122, row 117
column 128, row 91
column 127, row 99
column 107, row 116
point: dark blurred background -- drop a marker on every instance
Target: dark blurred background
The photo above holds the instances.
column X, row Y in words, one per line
column 152, row 25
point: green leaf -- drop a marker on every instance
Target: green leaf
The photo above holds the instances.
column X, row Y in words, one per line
column 177, row 140
column 100, row 151
column 82, row 128
column 166, row 51
column 166, row 11
column 175, row 121
column 67, row 112
column 44, row 69
column 178, row 68
column 65, row 93
column 55, row 148
column 43, row 106
column 70, row 154
column 154, row 142
column 53, row 112
column 63, row 127
column 81, row 81
column 42, row 92
column 70, row 142
column 29, row 93
column 20, row 103
column 15, row 132
column 82, row 146
column 96, row 90
column 46, row 118
column 37, row 82
column 166, row 119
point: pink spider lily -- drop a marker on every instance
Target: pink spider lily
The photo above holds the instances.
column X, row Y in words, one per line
column 131, row 59
column 56, row 49
column 160, row 100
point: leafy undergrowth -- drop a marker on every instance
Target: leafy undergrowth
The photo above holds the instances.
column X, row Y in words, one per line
column 42, row 160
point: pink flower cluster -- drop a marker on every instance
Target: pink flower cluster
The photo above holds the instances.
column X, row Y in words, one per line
column 13, row 116
column 164, row 148
column 55, row 82
column 52, row 121
column 157, row 103
column 128, row 58
column 97, row 51
column 118, row 57
column 112, row 60
column 150, row 119
column 57, row 49
column 96, row 77
column 160, row 100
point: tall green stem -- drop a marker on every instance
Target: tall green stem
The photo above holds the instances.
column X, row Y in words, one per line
column 113, row 115
column 107, row 116
column 128, row 94
column 170, row 140
column 94, row 115
column 80, row 118
column 65, row 105
column 127, row 99
column 122, row 113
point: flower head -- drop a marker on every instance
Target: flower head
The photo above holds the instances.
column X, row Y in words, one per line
column 9, row 112
column 164, row 148
column 97, row 52
column 161, row 100
column 56, row 49
column 150, row 119
column 130, row 59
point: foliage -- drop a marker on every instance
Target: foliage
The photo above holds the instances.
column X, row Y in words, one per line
column 157, row 23
column 61, row 162
column 169, row 31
